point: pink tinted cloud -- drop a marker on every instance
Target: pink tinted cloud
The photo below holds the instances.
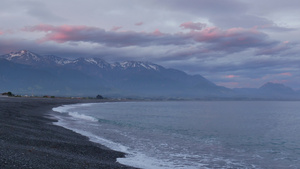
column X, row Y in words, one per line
column 285, row 74
column 193, row 25
column 231, row 76
column 208, row 34
column 231, row 40
column 139, row 23
column 115, row 28
column 157, row 33
column 230, row 36
column 60, row 34
column 6, row 31
column 67, row 33
column 276, row 78
column 211, row 38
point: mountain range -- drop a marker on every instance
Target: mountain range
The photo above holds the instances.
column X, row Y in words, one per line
column 25, row 72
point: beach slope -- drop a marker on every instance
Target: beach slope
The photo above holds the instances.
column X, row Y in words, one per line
column 28, row 139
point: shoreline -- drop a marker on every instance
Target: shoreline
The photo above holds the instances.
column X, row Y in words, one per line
column 29, row 139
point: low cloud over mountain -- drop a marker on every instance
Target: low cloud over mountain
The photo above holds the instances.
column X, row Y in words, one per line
column 25, row 72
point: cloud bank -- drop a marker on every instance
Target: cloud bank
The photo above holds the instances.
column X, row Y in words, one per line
column 231, row 42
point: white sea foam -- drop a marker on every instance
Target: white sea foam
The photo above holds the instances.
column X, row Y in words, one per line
column 66, row 109
column 108, row 143
column 142, row 151
column 61, row 109
column 140, row 160
column 82, row 116
column 94, row 138
column 133, row 158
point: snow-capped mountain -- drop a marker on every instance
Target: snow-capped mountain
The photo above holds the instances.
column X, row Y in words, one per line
column 23, row 56
column 83, row 76
column 30, row 58
column 89, row 63
column 139, row 65
column 30, row 73
column 53, row 60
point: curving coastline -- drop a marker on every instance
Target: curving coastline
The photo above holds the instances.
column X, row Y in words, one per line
column 28, row 139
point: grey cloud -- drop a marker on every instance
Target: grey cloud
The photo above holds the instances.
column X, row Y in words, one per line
column 239, row 20
column 274, row 20
column 210, row 39
column 204, row 7
column 40, row 11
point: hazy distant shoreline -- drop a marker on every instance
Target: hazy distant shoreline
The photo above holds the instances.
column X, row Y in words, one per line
column 28, row 139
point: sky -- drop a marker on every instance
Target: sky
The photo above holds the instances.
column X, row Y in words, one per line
column 233, row 43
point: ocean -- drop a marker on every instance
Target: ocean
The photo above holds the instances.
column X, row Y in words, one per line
column 192, row 134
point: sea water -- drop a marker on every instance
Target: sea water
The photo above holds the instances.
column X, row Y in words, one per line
column 192, row 134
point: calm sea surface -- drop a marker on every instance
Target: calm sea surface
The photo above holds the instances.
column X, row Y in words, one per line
column 192, row 134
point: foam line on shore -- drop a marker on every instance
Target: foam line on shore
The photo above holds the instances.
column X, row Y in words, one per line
column 66, row 109
column 29, row 139
column 132, row 157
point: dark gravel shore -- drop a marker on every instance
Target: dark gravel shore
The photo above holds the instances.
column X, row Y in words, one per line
column 29, row 140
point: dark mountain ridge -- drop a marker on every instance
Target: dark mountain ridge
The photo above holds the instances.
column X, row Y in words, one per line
column 269, row 90
column 25, row 72
column 87, row 76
